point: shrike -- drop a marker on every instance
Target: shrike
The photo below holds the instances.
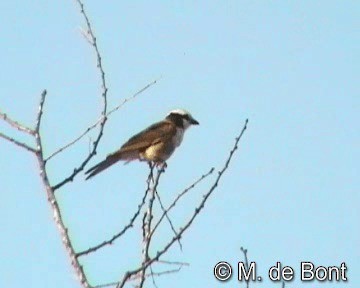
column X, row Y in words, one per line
column 154, row 144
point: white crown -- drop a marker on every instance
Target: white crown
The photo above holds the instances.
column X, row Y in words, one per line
column 179, row 111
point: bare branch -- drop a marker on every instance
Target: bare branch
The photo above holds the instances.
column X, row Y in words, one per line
column 173, row 204
column 152, row 277
column 147, row 222
column 104, row 97
column 19, row 127
column 161, row 252
column 118, row 235
column 98, row 57
column 40, row 113
column 246, row 263
column 165, row 272
column 75, row 140
column 133, row 96
column 173, row 263
column 152, row 274
column 126, row 227
column 168, row 218
column 18, row 143
column 113, row 284
column 16, row 124
column 53, row 202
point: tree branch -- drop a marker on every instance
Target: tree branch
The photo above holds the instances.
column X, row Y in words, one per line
column 118, row 235
column 104, row 97
column 246, row 263
column 16, row 124
column 186, row 190
column 147, row 222
column 53, row 202
column 168, row 218
column 152, row 274
column 18, row 143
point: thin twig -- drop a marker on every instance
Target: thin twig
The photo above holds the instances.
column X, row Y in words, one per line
column 168, row 218
column 161, row 252
column 179, row 196
column 39, row 116
column 152, row 274
column 53, row 202
column 173, row 263
column 73, row 141
column 152, row 277
column 18, row 143
column 246, row 263
column 122, row 232
column 133, row 96
column 165, row 272
column 147, row 225
column 78, row 138
column 16, row 124
column 118, row 235
column 104, row 97
column 143, row 224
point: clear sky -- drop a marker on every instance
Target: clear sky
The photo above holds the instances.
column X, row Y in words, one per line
column 292, row 191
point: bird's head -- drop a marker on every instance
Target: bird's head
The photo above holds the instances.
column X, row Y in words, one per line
column 181, row 118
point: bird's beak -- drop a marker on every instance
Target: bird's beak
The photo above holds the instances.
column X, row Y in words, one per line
column 194, row 122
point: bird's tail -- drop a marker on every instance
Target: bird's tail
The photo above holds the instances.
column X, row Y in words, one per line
column 110, row 160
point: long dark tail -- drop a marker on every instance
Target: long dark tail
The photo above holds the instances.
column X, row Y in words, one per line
column 110, row 160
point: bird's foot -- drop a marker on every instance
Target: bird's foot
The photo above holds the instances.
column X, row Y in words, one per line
column 161, row 166
column 151, row 175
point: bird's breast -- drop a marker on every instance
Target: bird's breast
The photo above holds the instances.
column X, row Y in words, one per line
column 162, row 150
column 179, row 135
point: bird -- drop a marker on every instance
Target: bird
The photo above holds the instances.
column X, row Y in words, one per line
column 155, row 144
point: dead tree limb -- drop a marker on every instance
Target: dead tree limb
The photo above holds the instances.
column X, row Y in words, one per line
column 16, row 124
column 53, row 202
column 246, row 263
column 104, row 97
column 17, row 143
column 118, row 235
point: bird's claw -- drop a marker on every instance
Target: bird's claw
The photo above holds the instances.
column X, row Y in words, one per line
column 161, row 166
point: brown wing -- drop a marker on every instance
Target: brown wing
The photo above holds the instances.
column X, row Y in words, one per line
column 160, row 131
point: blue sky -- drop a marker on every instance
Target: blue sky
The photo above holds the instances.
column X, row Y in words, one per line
column 292, row 191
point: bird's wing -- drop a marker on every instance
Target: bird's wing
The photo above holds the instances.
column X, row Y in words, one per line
column 161, row 131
